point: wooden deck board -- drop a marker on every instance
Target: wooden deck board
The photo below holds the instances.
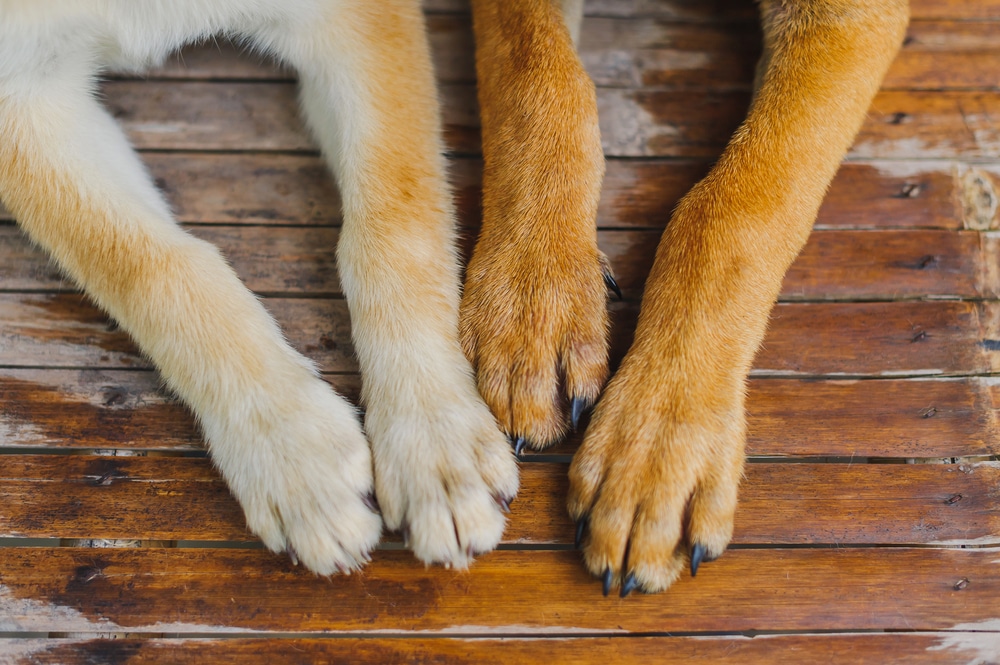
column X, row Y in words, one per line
column 781, row 504
column 930, row 338
column 886, row 418
column 883, row 352
column 835, row 265
column 187, row 591
column 635, row 122
column 837, row 649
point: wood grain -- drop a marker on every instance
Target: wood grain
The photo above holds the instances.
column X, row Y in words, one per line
column 521, row 592
column 821, row 537
column 835, row 265
column 805, row 339
column 728, row 10
column 281, row 189
column 781, row 504
column 835, row 649
column 633, row 51
column 198, row 115
column 913, row 418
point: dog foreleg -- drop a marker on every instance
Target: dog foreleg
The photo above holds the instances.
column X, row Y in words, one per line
column 534, row 318
column 663, row 457
column 444, row 473
column 291, row 450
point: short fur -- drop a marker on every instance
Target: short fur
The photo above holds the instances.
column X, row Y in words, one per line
column 659, row 468
column 291, row 450
column 657, row 474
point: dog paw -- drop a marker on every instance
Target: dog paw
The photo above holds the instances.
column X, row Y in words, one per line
column 299, row 465
column 654, row 484
column 534, row 324
column 444, row 474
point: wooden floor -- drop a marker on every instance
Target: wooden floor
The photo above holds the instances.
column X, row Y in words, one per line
column 869, row 525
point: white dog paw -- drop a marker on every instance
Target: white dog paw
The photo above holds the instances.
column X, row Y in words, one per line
column 301, row 469
column 444, row 473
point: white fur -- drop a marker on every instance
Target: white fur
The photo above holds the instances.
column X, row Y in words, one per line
column 291, row 450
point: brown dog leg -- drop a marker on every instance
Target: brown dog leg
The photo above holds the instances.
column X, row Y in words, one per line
column 533, row 317
column 657, row 475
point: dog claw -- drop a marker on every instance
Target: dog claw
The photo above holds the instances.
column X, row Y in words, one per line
column 290, row 551
column 371, row 502
column 519, row 445
column 577, row 405
column 581, row 529
column 698, row 552
column 503, row 502
column 607, row 581
column 630, row 585
column 610, row 282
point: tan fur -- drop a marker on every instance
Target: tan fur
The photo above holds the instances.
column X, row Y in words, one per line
column 534, row 319
column 659, row 468
column 292, row 451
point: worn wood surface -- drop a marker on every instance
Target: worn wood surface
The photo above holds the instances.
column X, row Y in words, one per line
column 519, row 591
column 837, row 649
column 872, row 499
column 781, row 504
column 887, row 418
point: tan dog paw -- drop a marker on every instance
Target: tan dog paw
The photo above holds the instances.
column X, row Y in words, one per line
column 534, row 324
column 300, row 466
column 533, row 316
column 444, row 474
column 655, row 482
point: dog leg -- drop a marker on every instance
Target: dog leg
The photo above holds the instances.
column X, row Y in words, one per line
column 534, row 317
column 444, row 472
column 291, row 450
column 662, row 459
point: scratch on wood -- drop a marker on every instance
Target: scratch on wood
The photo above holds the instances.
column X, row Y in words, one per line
column 978, row 200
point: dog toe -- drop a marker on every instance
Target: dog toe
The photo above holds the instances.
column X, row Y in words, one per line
column 649, row 493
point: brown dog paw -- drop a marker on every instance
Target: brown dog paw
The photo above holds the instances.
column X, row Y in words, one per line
column 654, row 484
column 534, row 324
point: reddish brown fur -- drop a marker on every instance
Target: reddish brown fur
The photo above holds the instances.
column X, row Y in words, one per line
column 534, row 319
column 659, row 468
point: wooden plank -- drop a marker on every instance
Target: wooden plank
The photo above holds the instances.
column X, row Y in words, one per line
column 104, row 409
column 728, row 10
column 65, row 330
column 805, row 339
column 254, row 188
column 948, row 54
column 633, row 52
column 837, row 265
column 900, row 124
column 165, row 115
column 833, row 649
column 913, row 418
column 642, row 51
column 523, row 592
column 50, row 496
column 880, row 338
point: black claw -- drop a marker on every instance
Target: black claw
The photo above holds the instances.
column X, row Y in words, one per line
column 630, row 585
column 610, row 282
column 519, row 445
column 503, row 502
column 581, row 528
column 698, row 552
column 577, row 405
column 607, row 581
column 371, row 503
